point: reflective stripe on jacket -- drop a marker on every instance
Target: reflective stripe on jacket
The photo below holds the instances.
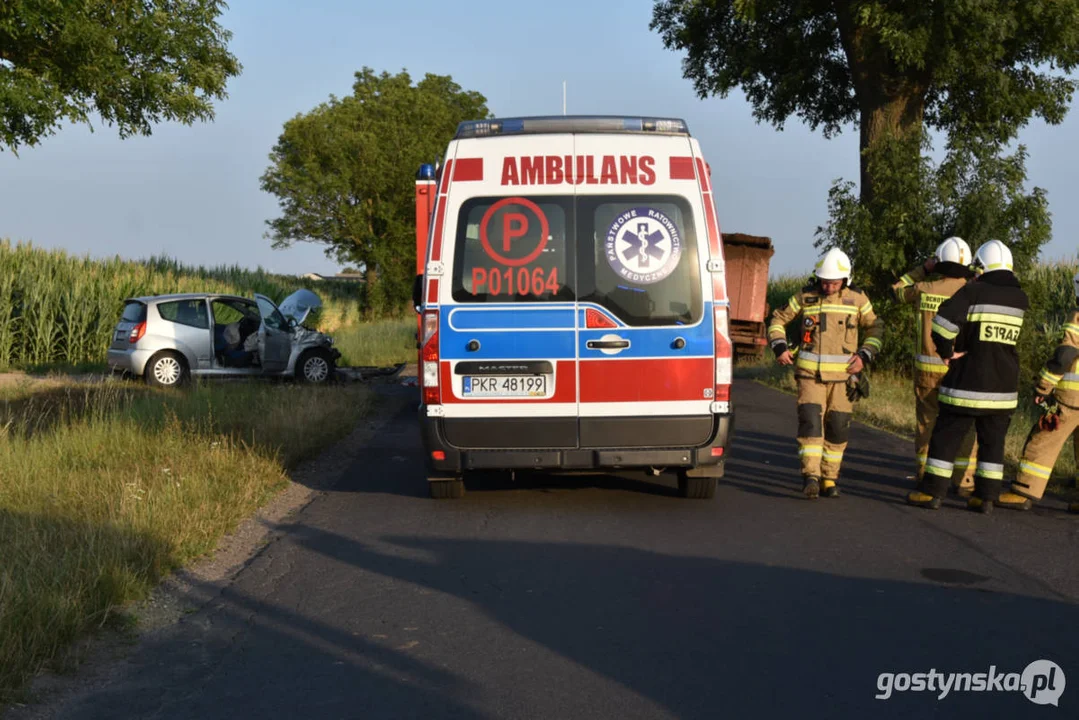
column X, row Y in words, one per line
column 1060, row 375
column 927, row 295
column 983, row 320
column 828, row 331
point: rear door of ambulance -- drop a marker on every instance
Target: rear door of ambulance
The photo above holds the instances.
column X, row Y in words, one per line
column 506, row 300
column 645, row 340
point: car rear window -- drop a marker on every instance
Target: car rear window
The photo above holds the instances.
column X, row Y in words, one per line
column 637, row 257
column 515, row 249
column 185, row 312
column 134, row 312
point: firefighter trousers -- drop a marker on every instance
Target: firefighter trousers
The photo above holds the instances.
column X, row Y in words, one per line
column 948, row 433
column 824, row 414
column 1040, row 453
column 926, row 409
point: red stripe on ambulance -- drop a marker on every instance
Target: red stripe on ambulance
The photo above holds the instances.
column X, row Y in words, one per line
column 719, row 286
column 565, row 387
column 440, row 214
column 611, row 380
column 468, row 170
column 681, row 168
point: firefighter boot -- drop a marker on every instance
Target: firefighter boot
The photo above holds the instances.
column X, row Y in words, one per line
column 829, row 489
column 811, row 487
column 977, row 504
column 921, row 499
column 1013, row 501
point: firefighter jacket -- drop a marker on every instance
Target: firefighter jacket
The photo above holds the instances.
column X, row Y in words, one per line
column 983, row 319
column 827, row 331
column 926, row 295
column 1060, row 375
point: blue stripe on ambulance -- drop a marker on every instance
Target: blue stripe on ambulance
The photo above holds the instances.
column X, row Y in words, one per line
column 654, row 342
column 508, row 332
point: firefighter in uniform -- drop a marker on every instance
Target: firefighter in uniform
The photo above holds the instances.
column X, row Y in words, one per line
column 1057, row 386
column 926, row 287
column 975, row 332
column 827, row 360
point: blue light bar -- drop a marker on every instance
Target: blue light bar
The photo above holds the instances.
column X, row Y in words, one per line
column 571, row 124
column 426, row 172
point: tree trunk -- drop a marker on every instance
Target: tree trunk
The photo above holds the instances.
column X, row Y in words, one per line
column 883, row 119
column 891, row 102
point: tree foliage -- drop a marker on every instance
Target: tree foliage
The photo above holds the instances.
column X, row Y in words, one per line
column 132, row 62
column 344, row 173
column 976, row 192
column 976, row 71
column 983, row 67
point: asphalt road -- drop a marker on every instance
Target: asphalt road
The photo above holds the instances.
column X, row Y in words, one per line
column 610, row 597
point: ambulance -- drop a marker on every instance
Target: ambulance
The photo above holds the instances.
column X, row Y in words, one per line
column 573, row 311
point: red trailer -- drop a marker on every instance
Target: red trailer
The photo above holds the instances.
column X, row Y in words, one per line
column 747, row 258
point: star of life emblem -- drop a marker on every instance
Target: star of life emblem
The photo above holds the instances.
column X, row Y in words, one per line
column 643, row 245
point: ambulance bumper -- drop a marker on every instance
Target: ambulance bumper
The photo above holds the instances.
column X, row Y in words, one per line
column 704, row 460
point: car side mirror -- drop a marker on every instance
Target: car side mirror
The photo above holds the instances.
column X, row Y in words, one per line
column 417, row 294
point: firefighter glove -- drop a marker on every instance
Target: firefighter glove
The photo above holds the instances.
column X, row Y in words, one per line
column 1049, row 421
column 857, row 387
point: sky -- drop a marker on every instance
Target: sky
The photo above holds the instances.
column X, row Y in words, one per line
column 192, row 192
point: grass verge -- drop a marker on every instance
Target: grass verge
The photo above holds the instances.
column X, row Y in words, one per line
column 106, row 488
column 380, row 343
column 890, row 406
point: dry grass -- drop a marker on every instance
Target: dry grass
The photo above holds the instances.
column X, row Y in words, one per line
column 106, row 488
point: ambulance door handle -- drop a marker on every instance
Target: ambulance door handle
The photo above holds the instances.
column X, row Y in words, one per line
column 619, row 344
column 679, row 343
column 473, row 345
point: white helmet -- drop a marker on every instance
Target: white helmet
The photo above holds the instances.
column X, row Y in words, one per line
column 993, row 255
column 954, row 249
column 833, row 265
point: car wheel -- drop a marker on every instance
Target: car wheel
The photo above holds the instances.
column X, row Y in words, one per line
column 447, row 489
column 166, row 369
column 315, row 367
column 696, row 488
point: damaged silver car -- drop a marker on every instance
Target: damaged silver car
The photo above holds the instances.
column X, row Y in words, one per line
column 167, row 339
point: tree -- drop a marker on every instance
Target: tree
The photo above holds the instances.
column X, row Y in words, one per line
column 893, row 67
column 344, row 173
column 132, row 62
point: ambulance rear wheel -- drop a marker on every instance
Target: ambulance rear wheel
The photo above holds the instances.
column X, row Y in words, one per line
column 450, row 489
column 696, row 488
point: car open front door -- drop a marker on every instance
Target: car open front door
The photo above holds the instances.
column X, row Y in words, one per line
column 275, row 337
column 645, row 337
column 507, row 330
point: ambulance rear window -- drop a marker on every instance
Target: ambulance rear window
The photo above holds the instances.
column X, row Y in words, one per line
column 514, row 249
column 638, row 258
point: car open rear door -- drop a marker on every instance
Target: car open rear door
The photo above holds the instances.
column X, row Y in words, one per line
column 645, row 326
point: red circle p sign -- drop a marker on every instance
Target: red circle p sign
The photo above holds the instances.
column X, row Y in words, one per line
column 516, row 221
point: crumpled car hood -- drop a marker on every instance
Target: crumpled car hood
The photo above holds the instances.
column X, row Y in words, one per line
column 299, row 305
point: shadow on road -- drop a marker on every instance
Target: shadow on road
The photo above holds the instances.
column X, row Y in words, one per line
column 504, row 628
